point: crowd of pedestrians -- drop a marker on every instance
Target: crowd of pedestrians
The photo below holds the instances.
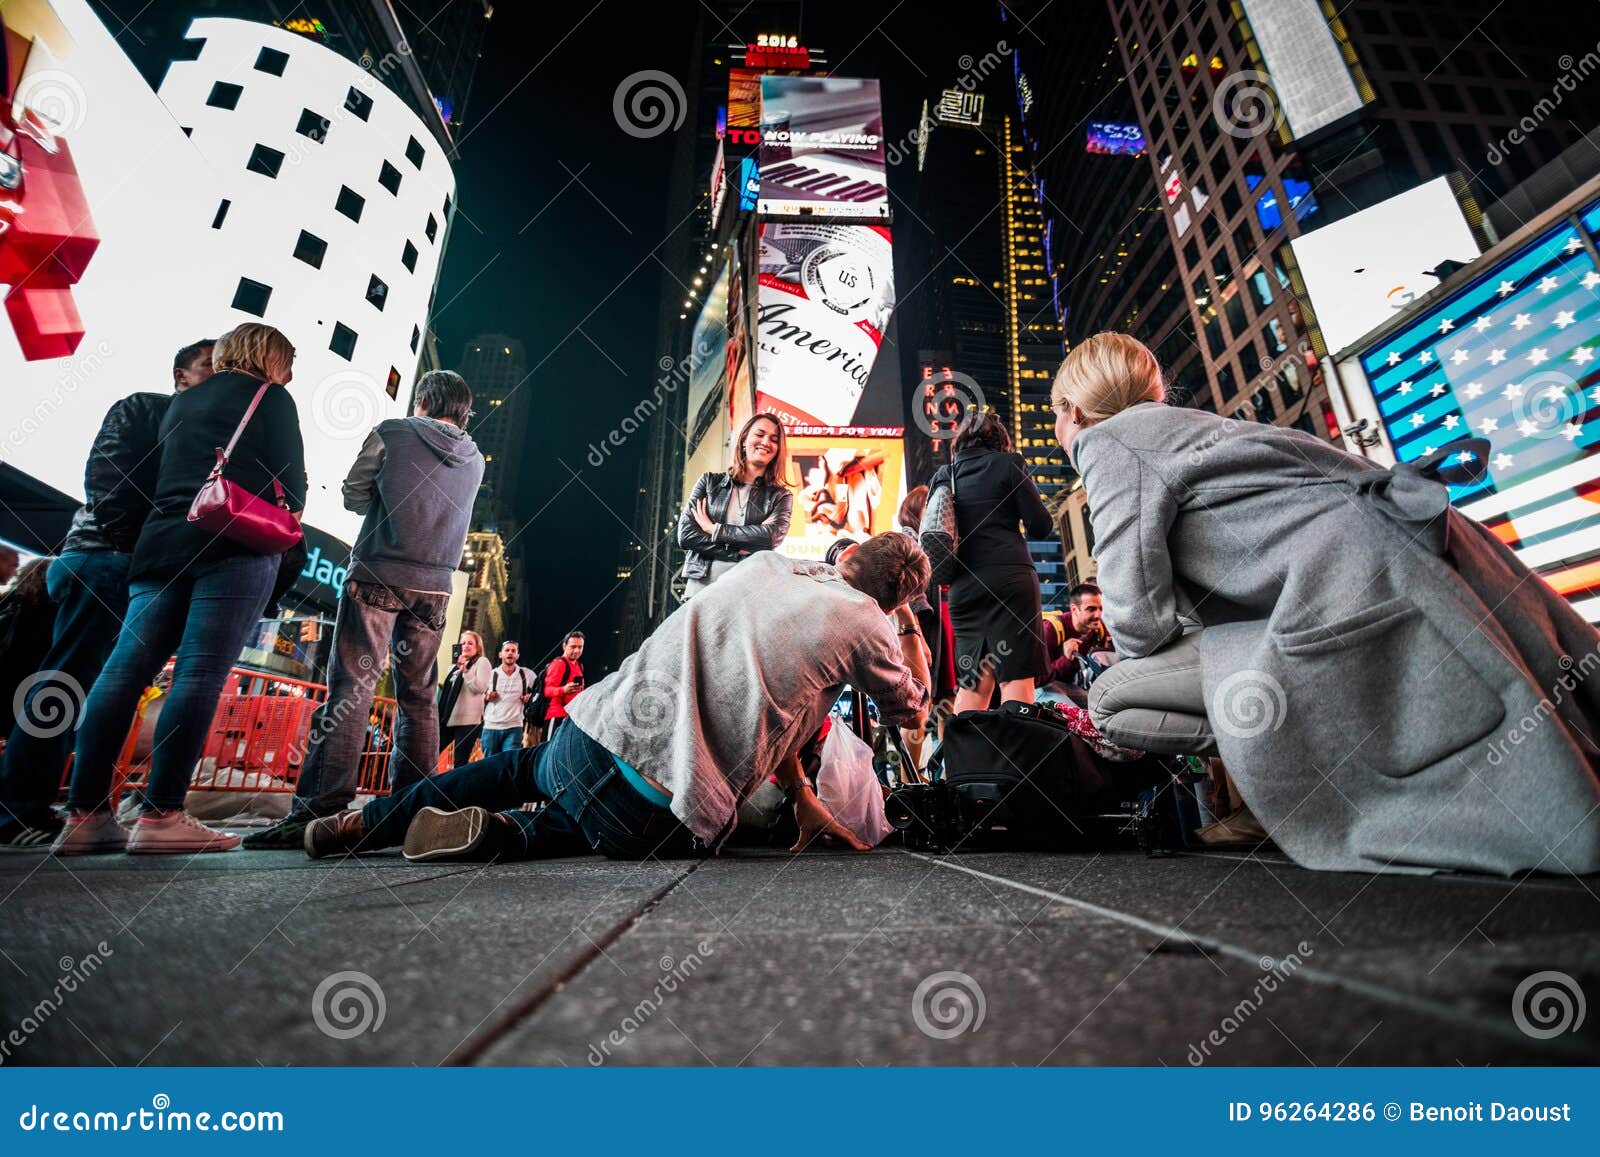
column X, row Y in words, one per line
column 1355, row 594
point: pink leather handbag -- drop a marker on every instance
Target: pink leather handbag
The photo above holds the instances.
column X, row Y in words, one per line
column 232, row 512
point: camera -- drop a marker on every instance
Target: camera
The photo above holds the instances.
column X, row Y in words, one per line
column 928, row 816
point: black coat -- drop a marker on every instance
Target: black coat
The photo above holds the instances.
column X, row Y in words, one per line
column 993, row 494
column 732, row 542
column 119, row 481
column 198, row 422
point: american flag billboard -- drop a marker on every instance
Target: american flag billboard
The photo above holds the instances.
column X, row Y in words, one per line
column 1511, row 357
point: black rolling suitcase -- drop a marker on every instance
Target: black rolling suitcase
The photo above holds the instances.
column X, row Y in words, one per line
column 1019, row 777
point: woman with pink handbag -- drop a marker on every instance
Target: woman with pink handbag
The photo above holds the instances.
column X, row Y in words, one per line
column 231, row 484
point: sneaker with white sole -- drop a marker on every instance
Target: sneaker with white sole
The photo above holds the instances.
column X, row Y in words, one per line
column 34, row 836
column 176, row 833
column 90, row 834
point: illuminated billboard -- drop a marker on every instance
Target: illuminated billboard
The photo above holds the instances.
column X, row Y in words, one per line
column 708, row 366
column 825, row 298
column 1511, row 357
column 1306, row 59
column 220, row 200
column 1114, row 138
column 848, row 483
column 822, row 148
column 1360, row 270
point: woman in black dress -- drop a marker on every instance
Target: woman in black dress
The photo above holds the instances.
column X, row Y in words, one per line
column 994, row 600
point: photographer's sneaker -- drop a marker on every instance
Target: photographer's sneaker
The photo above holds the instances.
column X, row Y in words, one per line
column 90, row 834
column 176, row 833
column 288, row 834
column 471, row 833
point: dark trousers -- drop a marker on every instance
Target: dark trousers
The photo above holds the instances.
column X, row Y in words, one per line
column 461, row 738
column 373, row 619
column 590, row 806
column 205, row 615
column 90, row 589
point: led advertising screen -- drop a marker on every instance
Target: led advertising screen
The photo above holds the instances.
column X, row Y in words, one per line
column 848, row 483
column 1512, row 357
column 117, row 248
column 1360, row 270
column 1114, row 138
column 822, row 148
column 825, row 298
column 708, row 365
column 1309, row 75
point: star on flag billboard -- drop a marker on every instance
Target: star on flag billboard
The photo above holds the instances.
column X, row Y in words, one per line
column 822, row 148
column 1511, row 357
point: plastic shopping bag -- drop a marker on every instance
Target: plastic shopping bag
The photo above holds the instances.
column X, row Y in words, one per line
column 848, row 787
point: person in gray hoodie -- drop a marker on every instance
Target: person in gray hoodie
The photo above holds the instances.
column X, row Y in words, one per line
column 414, row 480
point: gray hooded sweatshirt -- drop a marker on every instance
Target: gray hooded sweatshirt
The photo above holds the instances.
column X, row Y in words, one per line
column 415, row 480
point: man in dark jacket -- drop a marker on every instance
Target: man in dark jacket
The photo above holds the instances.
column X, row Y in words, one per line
column 415, row 480
column 88, row 582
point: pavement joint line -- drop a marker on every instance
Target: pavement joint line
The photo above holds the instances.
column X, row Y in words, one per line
column 1365, row 988
column 472, row 1050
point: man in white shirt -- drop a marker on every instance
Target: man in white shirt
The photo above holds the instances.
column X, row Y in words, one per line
column 511, row 687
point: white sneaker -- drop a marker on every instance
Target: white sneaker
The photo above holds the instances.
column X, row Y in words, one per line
column 176, row 833
column 90, row 834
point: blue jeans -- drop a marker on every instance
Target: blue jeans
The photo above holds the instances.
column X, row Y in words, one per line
column 372, row 619
column 591, row 806
column 498, row 739
column 206, row 615
column 90, row 589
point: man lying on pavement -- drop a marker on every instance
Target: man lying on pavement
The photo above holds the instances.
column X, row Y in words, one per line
column 657, row 756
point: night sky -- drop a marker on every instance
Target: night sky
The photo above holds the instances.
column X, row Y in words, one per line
column 559, row 214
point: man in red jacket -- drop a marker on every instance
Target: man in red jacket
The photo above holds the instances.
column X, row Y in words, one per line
column 563, row 679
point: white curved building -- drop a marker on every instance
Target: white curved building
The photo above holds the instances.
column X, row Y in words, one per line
column 333, row 204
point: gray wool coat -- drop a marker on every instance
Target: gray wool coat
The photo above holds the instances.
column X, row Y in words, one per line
column 1390, row 687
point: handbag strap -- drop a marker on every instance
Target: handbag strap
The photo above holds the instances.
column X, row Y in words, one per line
column 225, row 453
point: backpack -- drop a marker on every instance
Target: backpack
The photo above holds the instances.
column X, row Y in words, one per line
column 522, row 681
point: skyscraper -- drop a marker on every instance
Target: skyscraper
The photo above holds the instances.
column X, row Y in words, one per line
column 495, row 366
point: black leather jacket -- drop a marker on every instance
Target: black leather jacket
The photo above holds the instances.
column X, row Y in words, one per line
column 766, row 523
column 119, row 482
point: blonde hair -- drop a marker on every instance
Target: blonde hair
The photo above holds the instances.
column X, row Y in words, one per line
column 1107, row 373
column 477, row 638
column 254, row 349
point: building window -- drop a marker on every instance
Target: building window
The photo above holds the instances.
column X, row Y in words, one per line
column 313, row 125
column 416, row 336
column 389, row 178
column 265, row 160
column 222, row 214
column 344, row 341
column 377, row 291
column 392, row 386
column 408, row 257
column 272, row 61
column 311, row 249
column 414, row 152
column 432, row 228
column 225, row 95
column 252, row 297
column 359, row 103
column 350, row 203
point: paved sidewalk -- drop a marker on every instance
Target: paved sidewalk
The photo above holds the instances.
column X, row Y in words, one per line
column 765, row 958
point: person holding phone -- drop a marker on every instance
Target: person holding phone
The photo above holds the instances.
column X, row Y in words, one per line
column 463, row 720
column 563, row 679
